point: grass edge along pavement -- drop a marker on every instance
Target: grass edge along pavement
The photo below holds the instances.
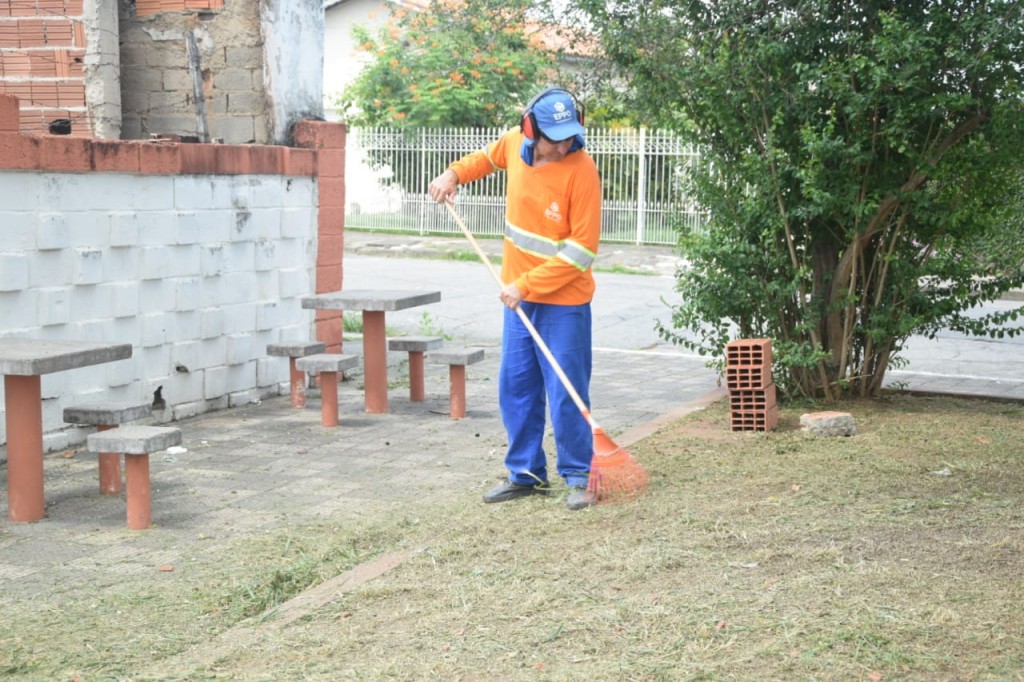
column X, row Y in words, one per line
column 892, row 554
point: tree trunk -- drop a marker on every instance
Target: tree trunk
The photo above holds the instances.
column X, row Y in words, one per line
column 825, row 257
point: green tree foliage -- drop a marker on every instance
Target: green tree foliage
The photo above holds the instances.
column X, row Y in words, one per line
column 462, row 63
column 863, row 175
column 457, row 63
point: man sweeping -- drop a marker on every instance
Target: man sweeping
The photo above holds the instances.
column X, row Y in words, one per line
column 552, row 229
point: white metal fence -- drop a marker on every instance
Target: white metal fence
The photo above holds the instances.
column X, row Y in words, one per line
column 388, row 170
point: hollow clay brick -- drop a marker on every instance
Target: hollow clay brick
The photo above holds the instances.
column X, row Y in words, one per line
column 748, row 352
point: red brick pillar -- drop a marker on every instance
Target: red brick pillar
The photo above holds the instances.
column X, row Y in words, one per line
column 328, row 140
column 9, row 115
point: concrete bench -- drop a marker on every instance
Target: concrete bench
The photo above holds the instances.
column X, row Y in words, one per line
column 293, row 351
column 135, row 443
column 106, row 416
column 416, row 346
column 456, row 359
column 328, row 365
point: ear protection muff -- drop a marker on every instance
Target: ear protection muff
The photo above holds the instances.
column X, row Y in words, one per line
column 528, row 124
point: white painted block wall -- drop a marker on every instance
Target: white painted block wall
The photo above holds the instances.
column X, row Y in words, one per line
column 198, row 272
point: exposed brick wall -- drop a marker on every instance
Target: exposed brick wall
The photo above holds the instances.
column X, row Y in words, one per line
column 146, row 8
column 8, row 114
column 42, row 51
column 239, row 72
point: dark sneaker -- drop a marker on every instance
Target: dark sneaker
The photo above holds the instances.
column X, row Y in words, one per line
column 579, row 497
column 510, row 491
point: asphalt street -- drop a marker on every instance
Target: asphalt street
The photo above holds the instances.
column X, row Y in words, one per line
column 626, row 308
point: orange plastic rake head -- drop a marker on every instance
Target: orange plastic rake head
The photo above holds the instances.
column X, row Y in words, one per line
column 614, row 475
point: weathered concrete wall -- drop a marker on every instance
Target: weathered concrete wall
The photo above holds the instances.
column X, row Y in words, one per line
column 196, row 254
column 161, row 75
column 294, row 49
column 241, row 73
column 198, row 272
column 102, row 69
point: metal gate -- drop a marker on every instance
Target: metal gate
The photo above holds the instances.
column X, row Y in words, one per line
column 388, row 169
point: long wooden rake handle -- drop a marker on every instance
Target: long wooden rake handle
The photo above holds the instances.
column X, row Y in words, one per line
column 526, row 321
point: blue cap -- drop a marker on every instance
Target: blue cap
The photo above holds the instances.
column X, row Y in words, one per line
column 557, row 117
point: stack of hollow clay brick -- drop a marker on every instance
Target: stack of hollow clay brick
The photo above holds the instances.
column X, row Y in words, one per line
column 748, row 376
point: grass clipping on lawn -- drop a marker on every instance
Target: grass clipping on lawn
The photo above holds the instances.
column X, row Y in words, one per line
column 892, row 554
column 779, row 555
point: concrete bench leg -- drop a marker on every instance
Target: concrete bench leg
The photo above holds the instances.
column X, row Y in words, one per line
column 417, row 383
column 298, row 384
column 23, row 396
column 139, row 494
column 110, row 468
column 329, row 398
column 375, row 362
column 457, row 392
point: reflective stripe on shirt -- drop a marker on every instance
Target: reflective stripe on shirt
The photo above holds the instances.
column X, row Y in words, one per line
column 576, row 255
column 487, row 155
column 568, row 250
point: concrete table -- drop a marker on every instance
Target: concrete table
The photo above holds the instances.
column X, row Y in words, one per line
column 374, row 303
column 22, row 362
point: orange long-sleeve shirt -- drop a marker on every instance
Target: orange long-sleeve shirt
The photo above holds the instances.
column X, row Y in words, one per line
column 552, row 220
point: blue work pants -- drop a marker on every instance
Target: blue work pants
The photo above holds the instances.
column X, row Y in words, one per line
column 527, row 386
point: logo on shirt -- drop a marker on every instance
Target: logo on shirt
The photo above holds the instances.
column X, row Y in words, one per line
column 551, row 213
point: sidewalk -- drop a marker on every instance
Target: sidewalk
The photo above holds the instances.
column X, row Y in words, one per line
column 661, row 260
column 953, row 363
